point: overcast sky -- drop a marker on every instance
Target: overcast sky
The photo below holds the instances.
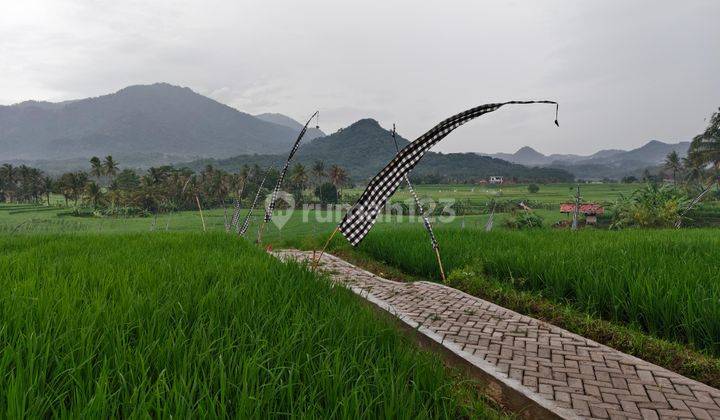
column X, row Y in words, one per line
column 624, row 72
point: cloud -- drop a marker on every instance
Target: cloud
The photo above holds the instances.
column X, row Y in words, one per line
column 624, row 72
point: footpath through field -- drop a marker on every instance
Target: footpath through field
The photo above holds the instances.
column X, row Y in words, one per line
column 557, row 371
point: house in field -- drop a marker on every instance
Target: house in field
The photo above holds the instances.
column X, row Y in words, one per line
column 496, row 180
column 589, row 210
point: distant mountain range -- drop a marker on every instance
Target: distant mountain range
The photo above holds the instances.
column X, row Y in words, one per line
column 157, row 124
column 365, row 147
column 137, row 122
column 610, row 163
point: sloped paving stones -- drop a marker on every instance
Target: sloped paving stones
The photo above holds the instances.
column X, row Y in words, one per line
column 571, row 376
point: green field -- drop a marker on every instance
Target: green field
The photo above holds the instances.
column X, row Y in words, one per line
column 195, row 325
column 24, row 219
column 549, row 193
column 667, row 282
column 163, row 276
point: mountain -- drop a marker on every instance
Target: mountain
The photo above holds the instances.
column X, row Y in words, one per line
column 652, row 153
column 611, row 163
column 284, row 120
column 365, row 147
column 137, row 120
column 524, row 156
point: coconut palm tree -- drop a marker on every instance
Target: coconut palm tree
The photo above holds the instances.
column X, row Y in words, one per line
column 672, row 163
column 705, row 147
column 48, row 187
column 93, row 193
column 299, row 177
column 318, row 171
column 338, row 177
column 110, row 167
column 694, row 171
column 8, row 178
column 96, row 168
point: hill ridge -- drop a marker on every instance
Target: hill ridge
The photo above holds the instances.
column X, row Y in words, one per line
column 364, row 147
column 155, row 118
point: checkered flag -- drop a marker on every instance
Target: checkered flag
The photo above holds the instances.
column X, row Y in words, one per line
column 241, row 229
column 276, row 191
column 418, row 203
column 361, row 217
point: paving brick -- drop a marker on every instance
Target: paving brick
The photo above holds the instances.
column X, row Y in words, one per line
column 564, row 372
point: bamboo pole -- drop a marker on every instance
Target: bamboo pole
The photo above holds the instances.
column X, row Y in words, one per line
column 227, row 225
column 692, row 204
column 426, row 221
column 442, row 270
column 576, row 211
column 260, row 232
column 197, row 200
column 317, row 261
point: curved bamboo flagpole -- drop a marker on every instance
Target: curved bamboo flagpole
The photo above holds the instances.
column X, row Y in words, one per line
column 197, row 200
column 317, row 261
column 426, row 221
column 172, row 214
column 242, row 228
column 692, row 204
column 271, row 206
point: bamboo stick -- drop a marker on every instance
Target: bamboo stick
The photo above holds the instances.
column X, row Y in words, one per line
column 317, row 261
column 197, row 200
column 442, row 270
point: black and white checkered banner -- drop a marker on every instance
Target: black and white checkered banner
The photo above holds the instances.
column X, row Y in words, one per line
column 418, row 203
column 361, row 217
column 241, row 229
column 276, row 191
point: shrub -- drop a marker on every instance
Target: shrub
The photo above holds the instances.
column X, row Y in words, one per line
column 533, row 188
column 327, row 193
column 655, row 205
column 524, row 220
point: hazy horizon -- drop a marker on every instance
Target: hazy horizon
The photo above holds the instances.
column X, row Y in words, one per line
column 624, row 74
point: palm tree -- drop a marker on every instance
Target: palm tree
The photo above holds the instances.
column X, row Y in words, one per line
column 338, row 177
column 154, row 176
column 318, row 171
column 96, row 167
column 299, row 177
column 93, row 193
column 111, row 167
column 80, row 179
column 8, row 176
column 694, row 172
column 672, row 163
column 65, row 185
column 48, row 187
column 705, row 147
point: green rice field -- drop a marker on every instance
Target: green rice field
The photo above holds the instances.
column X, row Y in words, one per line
column 194, row 325
column 667, row 282
column 548, row 193
column 149, row 316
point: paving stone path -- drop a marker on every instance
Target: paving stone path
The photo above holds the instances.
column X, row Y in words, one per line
column 569, row 375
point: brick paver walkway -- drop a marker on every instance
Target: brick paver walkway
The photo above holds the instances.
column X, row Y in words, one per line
column 567, row 374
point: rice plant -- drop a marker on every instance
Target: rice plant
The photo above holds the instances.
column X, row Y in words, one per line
column 198, row 325
column 667, row 282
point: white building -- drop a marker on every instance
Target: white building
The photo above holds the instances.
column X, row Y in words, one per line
column 496, row 180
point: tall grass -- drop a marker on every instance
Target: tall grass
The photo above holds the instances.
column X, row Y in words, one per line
column 665, row 281
column 192, row 325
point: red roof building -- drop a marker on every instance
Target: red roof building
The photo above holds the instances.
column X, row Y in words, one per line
column 586, row 209
column 589, row 210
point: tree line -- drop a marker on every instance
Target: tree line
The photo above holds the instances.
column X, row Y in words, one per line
column 106, row 188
